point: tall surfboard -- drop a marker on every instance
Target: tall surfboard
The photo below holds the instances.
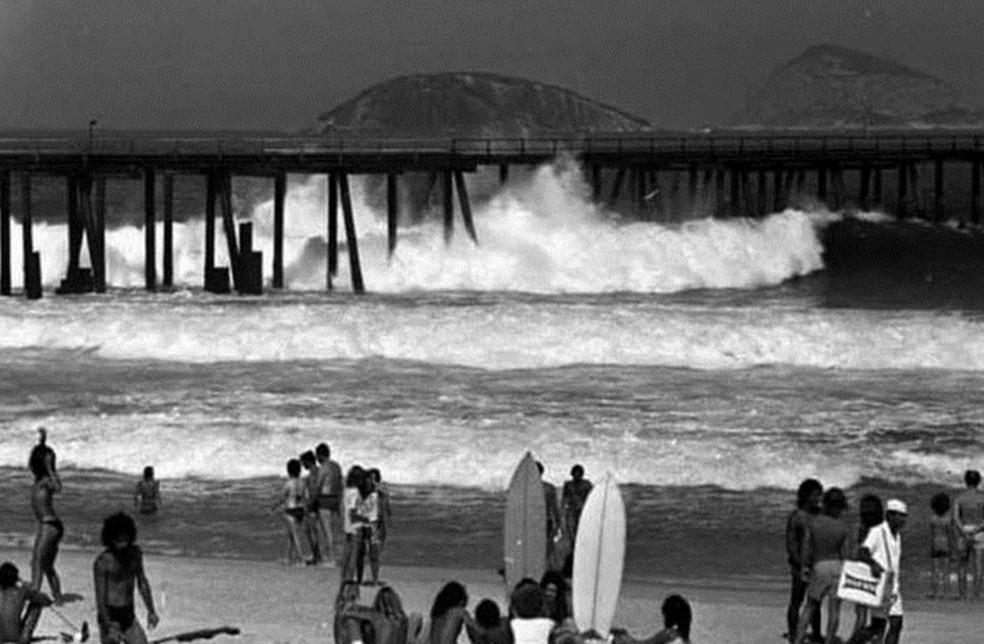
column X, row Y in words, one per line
column 599, row 555
column 525, row 529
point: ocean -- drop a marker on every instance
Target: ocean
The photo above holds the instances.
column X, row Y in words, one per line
column 709, row 365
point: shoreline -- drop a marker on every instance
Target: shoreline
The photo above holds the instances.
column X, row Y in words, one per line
column 273, row 603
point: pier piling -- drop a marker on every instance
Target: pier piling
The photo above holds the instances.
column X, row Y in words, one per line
column 5, row 217
column 332, row 228
column 279, row 195
column 465, row 205
column 447, row 192
column 99, row 221
column 32, row 282
column 392, row 213
column 350, row 238
column 167, row 279
column 150, row 230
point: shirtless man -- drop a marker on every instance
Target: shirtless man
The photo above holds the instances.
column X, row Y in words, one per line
column 117, row 571
column 50, row 527
column 553, row 513
column 17, row 624
column 828, row 543
column 968, row 513
column 329, row 500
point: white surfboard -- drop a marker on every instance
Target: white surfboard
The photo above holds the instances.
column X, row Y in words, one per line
column 599, row 555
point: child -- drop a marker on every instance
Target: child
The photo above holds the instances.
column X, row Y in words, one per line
column 943, row 548
column 117, row 572
column 147, row 495
column 16, row 623
column 291, row 501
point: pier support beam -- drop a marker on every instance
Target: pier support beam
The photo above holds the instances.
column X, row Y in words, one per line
column 96, row 252
column 350, row 238
column 32, row 260
column 211, row 188
column 902, row 205
column 5, row 275
column 99, row 223
column 822, row 184
column 465, row 205
column 392, row 213
column 616, row 187
column 975, row 198
column 229, row 227
column 596, row 182
column 762, row 198
column 447, row 193
column 74, row 228
column 864, row 189
column 150, row 232
column 332, row 228
column 279, row 195
column 778, row 192
column 503, row 173
column 168, row 249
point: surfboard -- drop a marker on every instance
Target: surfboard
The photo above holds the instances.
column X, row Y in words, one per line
column 599, row 555
column 525, row 529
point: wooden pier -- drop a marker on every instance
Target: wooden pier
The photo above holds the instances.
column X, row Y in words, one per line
column 726, row 173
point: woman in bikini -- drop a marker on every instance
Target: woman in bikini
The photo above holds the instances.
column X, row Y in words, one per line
column 50, row 527
column 292, row 503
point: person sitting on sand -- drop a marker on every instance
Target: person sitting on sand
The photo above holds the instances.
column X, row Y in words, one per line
column 386, row 619
column 347, row 631
column 529, row 622
column 827, row 546
column 20, row 606
column 797, row 527
column 943, row 550
column 448, row 614
column 555, row 604
column 50, row 527
column 968, row 514
column 488, row 626
column 118, row 571
column 147, row 495
column 677, row 618
column 291, row 502
column 311, row 523
column 329, row 500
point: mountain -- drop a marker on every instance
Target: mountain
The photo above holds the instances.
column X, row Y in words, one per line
column 472, row 104
column 831, row 86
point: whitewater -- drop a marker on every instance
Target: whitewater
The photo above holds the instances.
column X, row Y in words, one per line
column 698, row 352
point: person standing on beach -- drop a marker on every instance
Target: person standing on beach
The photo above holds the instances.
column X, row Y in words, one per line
column 118, row 571
column 147, row 495
column 882, row 550
column 20, row 606
column 572, row 499
column 827, row 545
column 312, row 514
column 553, row 513
column 968, row 514
column 329, row 499
column 50, row 527
column 943, row 545
column 797, row 527
column 356, row 523
column 292, row 503
column 871, row 512
column 380, row 525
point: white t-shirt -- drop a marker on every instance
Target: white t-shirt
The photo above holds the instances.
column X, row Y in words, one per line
column 886, row 549
column 535, row 630
column 351, row 503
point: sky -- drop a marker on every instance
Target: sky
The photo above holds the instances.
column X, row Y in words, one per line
column 251, row 64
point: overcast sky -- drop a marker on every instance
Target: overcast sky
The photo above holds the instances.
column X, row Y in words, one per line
column 278, row 64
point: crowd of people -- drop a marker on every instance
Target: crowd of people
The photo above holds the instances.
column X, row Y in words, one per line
column 538, row 613
column 819, row 541
column 118, row 571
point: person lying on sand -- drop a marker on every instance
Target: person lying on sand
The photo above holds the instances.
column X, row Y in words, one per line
column 118, row 571
column 20, row 607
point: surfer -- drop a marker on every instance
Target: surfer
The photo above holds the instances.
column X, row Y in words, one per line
column 50, row 527
column 882, row 550
column 797, row 527
column 291, row 502
column 329, row 499
column 968, row 514
column 677, row 618
column 572, row 499
column 312, row 515
column 20, row 606
column 147, row 494
column 553, row 514
column 827, row 545
column 118, row 571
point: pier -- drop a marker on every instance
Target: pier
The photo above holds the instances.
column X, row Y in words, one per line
column 728, row 173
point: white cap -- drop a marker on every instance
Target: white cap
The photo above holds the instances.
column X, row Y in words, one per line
column 895, row 505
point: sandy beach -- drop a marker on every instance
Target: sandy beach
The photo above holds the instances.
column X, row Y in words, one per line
column 275, row 604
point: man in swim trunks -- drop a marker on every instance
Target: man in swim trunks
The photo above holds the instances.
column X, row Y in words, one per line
column 553, row 512
column 968, row 514
column 329, row 500
column 312, row 512
column 147, row 495
column 20, row 607
column 797, row 527
column 117, row 572
column 50, row 527
column 828, row 543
